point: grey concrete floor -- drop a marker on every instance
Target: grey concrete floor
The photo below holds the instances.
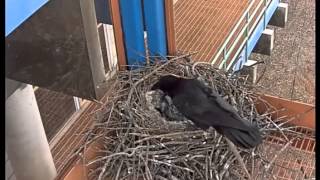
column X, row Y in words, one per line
column 290, row 70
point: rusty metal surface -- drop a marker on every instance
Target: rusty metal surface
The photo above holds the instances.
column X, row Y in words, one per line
column 296, row 162
column 118, row 33
column 171, row 39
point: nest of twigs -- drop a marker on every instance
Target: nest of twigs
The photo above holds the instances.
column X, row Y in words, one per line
column 140, row 144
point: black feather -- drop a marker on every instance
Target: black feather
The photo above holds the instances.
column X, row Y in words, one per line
column 205, row 108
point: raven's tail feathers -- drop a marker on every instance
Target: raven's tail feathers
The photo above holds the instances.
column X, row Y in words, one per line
column 244, row 139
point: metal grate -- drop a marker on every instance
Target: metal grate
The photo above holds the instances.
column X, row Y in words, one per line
column 298, row 161
column 217, row 30
column 204, row 25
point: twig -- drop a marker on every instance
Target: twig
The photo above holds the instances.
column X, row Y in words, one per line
column 239, row 158
column 277, row 154
column 153, row 72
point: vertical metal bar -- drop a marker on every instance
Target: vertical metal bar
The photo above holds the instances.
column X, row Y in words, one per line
column 234, row 45
column 155, row 26
column 118, row 33
column 93, row 46
column 224, row 55
column 171, row 40
column 247, row 36
column 238, row 51
column 247, row 21
column 132, row 23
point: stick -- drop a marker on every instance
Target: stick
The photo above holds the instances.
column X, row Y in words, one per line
column 239, row 158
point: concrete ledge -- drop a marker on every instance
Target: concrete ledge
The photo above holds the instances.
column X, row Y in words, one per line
column 265, row 43
column 250, row 70
column 280, row 16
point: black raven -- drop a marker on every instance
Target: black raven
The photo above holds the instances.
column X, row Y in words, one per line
column 205, row 108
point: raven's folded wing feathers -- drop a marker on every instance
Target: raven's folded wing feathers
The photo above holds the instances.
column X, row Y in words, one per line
column 206, row 108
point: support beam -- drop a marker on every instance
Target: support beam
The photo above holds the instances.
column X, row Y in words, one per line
column 265, row 43
column 58, row 48
column 118, row 33
column 250, row 70
column 26, row 143
column 280, row 16
column 171, row 38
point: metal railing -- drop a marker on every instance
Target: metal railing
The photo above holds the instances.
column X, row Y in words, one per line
column 245, row 29
column 262, row 12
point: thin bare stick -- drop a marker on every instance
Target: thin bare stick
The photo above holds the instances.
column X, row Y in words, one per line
column 239, row 158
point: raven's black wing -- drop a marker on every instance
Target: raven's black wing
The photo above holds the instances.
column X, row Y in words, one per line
column 194, row 101
column 206, row 108
column 216, row 98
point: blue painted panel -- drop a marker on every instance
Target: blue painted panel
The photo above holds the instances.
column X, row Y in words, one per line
column 132, row 23
column 270, row 10
column 241, row 60
column 154, row 14
column 17, row 11
column 252, row 41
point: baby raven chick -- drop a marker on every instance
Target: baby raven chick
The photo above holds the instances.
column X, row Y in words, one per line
column 205, row 108
column 163, row 104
